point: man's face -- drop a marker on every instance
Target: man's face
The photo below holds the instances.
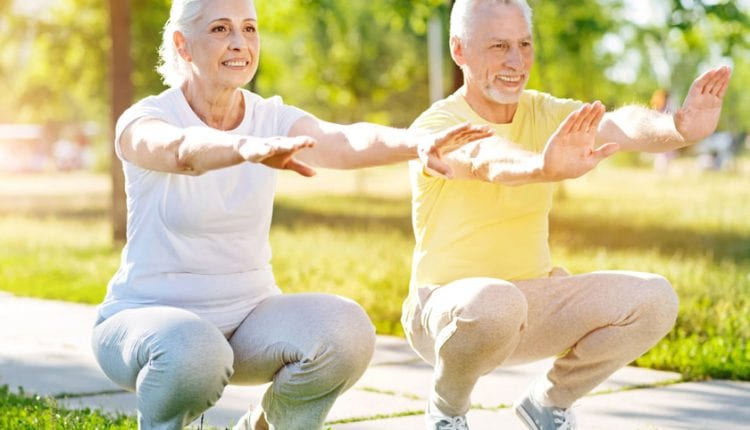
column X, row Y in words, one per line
column 498, row 53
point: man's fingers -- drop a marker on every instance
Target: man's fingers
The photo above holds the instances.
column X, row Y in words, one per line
column 460, row 128
column 593, row 117
column 723, row 89
column 722, row 81
column 572, row 120
column 606, row 150
column 702, row 81
column 580, row 119
column 598, row 115
column 716, row 82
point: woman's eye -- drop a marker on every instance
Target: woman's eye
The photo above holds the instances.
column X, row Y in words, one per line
column 219, row 29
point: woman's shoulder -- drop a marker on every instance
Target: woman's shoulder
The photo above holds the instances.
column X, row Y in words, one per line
column 166, row 99
column 259, row 102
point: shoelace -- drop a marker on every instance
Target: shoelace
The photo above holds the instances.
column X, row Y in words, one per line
column 453, row 423
column 564, row 419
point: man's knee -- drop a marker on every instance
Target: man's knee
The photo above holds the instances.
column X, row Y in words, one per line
column 495, row 316
column 654, row 302
column 658, row 303
column 497, row 310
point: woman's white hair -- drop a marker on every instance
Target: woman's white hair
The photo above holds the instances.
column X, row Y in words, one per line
column 462, row 15
column 173, row 68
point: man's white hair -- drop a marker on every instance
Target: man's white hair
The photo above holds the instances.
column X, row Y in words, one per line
column 462, row 15
column 183, row 14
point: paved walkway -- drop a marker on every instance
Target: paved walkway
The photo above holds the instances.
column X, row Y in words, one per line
column 45, row 350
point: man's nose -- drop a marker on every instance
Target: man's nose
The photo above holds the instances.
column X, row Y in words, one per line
column 514, row 58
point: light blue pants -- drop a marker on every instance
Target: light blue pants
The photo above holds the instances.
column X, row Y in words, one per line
column 312, row 346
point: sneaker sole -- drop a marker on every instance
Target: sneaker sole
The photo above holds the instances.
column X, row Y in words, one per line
column 525, row 418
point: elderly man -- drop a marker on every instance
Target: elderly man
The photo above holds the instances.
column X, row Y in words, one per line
column 484, row 292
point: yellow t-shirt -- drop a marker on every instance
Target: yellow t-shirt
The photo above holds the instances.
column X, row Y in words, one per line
column 469, row 228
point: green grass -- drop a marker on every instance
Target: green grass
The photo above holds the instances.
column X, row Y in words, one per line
column 23, row 412
column 692, row 228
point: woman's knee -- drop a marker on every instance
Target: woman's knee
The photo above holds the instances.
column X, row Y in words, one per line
column 194, row 357
column 351, row 336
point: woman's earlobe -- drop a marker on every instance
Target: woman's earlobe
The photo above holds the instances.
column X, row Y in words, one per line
column 180, row 42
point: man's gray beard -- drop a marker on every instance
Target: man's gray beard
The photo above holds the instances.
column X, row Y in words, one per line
column 496, row 96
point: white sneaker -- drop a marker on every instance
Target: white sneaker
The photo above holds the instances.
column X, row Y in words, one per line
column 438, row 421
column 539, row 417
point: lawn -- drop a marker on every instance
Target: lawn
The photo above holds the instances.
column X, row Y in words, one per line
column 350, row 234
column 19, row 411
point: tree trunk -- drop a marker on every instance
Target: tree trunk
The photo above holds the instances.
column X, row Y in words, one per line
column 458, row 74
column 122, row 96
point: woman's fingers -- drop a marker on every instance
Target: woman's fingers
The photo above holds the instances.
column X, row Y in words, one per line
column 300, row 167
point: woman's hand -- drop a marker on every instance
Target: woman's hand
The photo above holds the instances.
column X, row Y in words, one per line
column 278, row 152
column 432, row 148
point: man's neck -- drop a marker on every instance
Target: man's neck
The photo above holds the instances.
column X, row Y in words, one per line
column 490, row 110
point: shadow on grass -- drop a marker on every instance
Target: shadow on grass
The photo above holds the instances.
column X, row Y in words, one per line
column 353, row 212
column 363, row 213
column 85, row 207
column 346, row 213
column 586, row 230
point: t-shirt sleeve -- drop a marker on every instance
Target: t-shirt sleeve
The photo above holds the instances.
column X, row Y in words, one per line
column 434, row 120
column 147, row 107
column 281, row 115
column 556, row 110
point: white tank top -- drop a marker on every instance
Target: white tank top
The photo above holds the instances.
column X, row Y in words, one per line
column 199, row 242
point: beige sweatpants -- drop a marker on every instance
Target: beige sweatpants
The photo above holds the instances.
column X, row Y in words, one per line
column 596, row 323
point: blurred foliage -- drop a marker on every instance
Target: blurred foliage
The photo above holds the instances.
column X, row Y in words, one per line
column 349, row 61
column 567, row 61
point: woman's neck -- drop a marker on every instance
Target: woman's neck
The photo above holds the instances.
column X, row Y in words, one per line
column 222, row 109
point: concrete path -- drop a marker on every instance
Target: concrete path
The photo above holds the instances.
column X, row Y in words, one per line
column 45, row 349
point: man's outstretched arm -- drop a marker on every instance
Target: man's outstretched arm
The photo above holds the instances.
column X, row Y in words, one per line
column 637, row 128
column 570, row 152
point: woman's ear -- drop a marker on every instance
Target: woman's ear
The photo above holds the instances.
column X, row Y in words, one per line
column 181, row 43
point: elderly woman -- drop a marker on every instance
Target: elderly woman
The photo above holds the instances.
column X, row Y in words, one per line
column 194, row 304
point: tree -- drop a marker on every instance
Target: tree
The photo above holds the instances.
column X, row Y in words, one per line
column 122, row 97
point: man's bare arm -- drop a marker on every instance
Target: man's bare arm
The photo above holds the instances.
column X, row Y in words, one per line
column 569, row 153
column 641, row 129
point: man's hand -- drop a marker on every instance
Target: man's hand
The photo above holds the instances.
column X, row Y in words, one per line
column 700, row 112
column 570, row 152
column 278, row 152
column 432, row 147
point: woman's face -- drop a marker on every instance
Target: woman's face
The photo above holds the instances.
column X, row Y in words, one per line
column 223, row 46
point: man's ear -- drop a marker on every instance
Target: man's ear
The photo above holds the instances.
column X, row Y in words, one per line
column 457, row 51
column 181, row 43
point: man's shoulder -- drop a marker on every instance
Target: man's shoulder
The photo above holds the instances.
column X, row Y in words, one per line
column 541, row 103
column 442, row 114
